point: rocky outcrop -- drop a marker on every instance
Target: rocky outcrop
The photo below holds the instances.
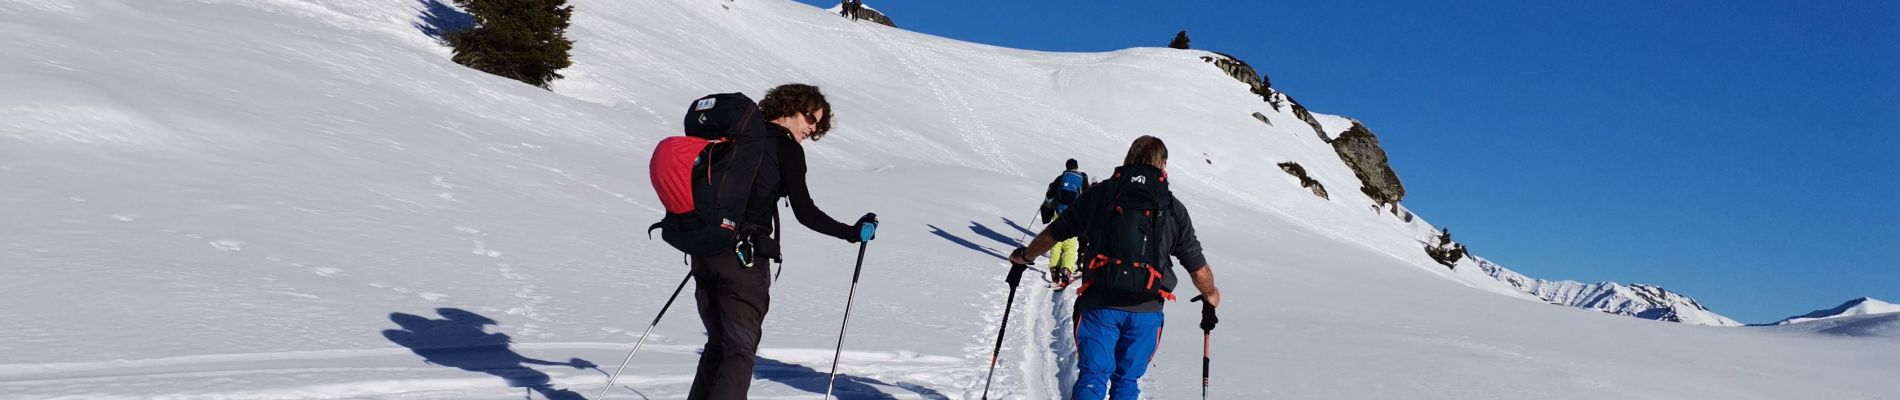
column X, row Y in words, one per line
column 867, row 13
column 1445, row 251
column 1360, row 150
column 1300, row 111
column 1263, row 118
column 875, row 16
column 1259, row 84
column 1293, row 168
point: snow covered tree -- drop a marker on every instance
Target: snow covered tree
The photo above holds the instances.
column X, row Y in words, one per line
column 524, row 40
column 1180, row 41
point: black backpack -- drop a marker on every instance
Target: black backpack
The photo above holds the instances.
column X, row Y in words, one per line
column 705, row 177
column 1125, row 250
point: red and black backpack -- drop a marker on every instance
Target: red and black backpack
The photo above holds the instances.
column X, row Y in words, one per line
column 1125, row 242
column 705, row 177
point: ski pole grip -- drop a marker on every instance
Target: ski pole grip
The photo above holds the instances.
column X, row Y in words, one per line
column 1015, row 274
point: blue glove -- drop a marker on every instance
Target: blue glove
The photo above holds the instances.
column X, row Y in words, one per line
column 867, row 227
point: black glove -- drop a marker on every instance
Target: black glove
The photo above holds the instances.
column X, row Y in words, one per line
column 1015, row 274
column 1207, row 314
column 866, row 227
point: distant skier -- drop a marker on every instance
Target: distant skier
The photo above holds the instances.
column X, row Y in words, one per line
column 733, row 287
column 1062, row 193
column 1133, row 224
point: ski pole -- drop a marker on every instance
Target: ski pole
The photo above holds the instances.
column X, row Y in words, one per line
column 853, row 294
column 1205, row 360
column 1031, row 229
column 1207, row 335
column 1015, row 277
column 1025, row 236
column 643, row 336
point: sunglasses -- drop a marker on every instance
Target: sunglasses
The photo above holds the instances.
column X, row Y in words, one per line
column 819, row 127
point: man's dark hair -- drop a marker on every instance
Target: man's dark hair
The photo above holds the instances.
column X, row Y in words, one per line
column 1147, row 150
column 797, row 99
column 1072, row 164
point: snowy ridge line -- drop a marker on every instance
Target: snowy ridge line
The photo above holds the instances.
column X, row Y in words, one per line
column 1322, row 230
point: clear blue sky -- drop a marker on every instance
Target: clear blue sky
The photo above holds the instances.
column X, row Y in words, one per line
column 1742, row 153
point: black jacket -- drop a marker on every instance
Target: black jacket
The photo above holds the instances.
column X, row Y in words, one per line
column 1178, row 240
column 782, row 175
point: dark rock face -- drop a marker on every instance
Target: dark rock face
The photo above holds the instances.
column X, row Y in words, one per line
column 1293, row 168
column 1258, row 84
column 1263, row 118
column 1446, row 252
column 869, row 14
column 1360, row 150
column 877, row 17
column 1300, row 111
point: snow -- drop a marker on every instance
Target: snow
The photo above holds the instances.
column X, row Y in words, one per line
column 1855, row 307
column 1863, row 325
column 249, row 199
column 1641, row 301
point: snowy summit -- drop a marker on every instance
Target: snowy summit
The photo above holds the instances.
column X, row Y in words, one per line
column 1860, row 306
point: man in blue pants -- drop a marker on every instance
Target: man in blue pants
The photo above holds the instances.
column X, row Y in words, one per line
column 1133, row 224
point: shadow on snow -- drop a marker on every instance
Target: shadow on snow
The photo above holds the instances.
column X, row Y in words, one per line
column 848, row 387
column 459, row 340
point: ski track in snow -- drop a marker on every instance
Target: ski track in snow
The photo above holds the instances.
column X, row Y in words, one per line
column 974, row 131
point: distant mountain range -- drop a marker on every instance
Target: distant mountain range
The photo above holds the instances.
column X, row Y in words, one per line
column 1636, row 300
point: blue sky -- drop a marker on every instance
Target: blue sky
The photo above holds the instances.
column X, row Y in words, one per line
column 1742, row 153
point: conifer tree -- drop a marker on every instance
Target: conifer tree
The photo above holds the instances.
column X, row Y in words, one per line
column 524, row 40
column 1180, row 41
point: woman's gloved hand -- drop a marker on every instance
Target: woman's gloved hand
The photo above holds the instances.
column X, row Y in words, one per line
column 867, row 227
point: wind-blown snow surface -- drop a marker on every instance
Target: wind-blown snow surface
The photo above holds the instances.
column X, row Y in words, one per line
column 306, row 199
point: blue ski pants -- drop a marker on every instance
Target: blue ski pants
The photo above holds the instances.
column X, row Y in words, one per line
column 1113, row 346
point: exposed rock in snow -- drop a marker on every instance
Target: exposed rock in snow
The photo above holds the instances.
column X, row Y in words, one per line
column 1256, row 82
column 1359, row 148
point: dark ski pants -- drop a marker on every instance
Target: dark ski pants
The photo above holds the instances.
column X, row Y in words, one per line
column 1113, row 346
column 733, row 299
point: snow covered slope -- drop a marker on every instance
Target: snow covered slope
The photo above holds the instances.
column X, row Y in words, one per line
column 268, row 199
column 1638, row 300
column 1866, row 325
column 1860, row 306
